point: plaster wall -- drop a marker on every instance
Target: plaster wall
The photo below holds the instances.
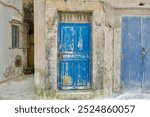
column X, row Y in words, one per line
column 39, row 45
column 46, row 41
column 7, row 53
column 114, row 12
column 106, row 39
column 98, row 19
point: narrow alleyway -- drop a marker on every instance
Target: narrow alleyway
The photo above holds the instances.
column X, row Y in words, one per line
column 21, row 88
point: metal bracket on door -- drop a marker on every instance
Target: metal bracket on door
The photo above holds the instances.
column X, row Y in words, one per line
column 143, row 51
column 59, row 56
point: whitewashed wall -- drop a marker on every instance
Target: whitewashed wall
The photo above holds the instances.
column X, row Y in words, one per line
column 7, row 54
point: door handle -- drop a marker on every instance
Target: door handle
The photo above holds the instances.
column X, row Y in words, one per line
column 60, row 55
column 143, row 51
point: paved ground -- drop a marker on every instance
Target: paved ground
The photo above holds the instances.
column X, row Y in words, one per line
column 128, row 96
column 133, row 96
column 22, row 88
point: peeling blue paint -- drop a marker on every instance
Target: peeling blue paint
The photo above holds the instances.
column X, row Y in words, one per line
column 75, row 50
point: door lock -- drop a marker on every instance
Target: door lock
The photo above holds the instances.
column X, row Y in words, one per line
column 143, row 51
column 60, row 55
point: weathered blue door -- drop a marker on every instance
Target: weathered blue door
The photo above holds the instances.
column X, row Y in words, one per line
column 135, row 62
column 74, row 56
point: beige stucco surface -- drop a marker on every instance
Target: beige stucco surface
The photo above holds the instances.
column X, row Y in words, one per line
column 11, row 10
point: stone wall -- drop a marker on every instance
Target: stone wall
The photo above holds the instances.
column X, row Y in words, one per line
column 46, row 41
column 98, row 21
column 106, row 39
column 114, row 11
column 39, row 45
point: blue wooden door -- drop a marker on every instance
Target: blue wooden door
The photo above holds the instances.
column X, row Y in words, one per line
column 74, row 56
column 135, row 59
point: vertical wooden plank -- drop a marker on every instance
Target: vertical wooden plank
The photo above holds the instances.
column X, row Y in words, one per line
column 13, row 37
column 131, row 53
column 145, row 51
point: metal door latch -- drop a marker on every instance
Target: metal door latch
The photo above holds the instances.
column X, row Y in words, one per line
column 143, row 51
column 60, row 55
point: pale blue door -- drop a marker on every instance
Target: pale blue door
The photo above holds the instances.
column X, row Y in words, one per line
column 135, row 58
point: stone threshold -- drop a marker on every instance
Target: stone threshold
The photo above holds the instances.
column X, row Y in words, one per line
column 77, row 94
